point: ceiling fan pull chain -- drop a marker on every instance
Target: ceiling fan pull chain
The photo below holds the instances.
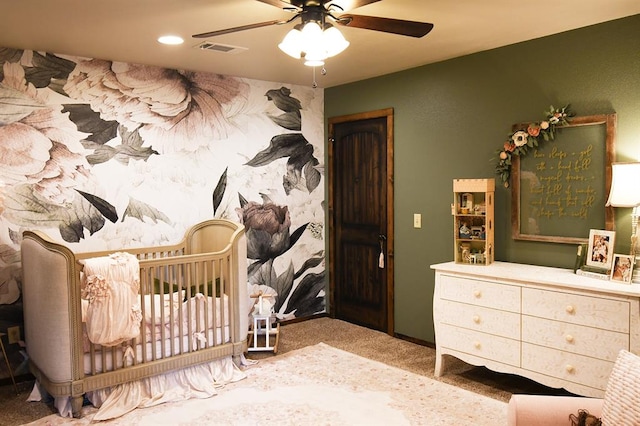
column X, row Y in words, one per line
column 315, row 83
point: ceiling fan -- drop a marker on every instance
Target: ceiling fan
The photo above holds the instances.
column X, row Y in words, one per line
column 320, row 10
column 321, row 39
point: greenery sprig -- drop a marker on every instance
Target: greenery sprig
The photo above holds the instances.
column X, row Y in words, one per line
column 522, row 140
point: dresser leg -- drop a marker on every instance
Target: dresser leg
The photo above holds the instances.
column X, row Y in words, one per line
column 440, row 364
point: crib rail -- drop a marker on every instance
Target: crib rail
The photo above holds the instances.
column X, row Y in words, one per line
column 185, row 308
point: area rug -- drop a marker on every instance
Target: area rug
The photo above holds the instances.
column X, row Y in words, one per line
column 320, row 385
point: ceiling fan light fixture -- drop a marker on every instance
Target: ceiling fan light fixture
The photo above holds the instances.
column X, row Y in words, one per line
column 312, row 43
column 314, row 59
column 292, row 44
column 315, row 55
column 334, row 41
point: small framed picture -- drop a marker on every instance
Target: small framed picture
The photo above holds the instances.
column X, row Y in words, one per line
column 622, row 268
column 600, row 250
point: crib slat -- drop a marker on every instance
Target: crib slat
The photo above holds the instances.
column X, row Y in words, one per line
column 169, row 332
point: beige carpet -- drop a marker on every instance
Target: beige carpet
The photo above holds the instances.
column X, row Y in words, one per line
column 320, row 384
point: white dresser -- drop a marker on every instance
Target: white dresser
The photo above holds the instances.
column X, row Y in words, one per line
column 548, row 324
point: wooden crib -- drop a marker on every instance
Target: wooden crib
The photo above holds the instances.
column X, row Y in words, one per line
column 181, row 325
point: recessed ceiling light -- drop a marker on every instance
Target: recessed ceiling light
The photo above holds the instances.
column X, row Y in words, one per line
column 170, row 39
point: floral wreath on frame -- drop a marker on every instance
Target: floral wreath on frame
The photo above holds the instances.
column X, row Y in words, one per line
column 520, row 141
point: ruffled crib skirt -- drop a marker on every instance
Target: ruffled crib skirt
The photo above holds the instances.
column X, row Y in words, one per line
column 200, row 381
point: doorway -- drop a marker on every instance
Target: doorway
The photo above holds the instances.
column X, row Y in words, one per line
column 360, row 171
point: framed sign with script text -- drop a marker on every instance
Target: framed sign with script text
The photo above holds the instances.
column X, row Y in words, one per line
column 559, row 189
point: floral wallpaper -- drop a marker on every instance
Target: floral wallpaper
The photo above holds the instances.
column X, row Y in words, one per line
column 109, row 155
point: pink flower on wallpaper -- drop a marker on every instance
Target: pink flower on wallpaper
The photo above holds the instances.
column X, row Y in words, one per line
column 173, row 110
column 267, row 228
column 39, row 145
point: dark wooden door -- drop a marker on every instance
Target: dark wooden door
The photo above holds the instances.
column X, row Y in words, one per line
column 361, row 218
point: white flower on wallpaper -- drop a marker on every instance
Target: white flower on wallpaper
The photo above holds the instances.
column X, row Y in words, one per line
column 106, row 155
column 39, row 146
column 177, row 110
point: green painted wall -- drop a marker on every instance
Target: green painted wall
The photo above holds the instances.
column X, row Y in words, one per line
column 452, row 116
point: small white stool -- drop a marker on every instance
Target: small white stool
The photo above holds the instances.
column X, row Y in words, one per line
column 262, row 326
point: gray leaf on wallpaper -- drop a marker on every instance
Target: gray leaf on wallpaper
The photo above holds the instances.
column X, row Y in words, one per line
column 300, row 153
column 308, row 264
column 9, row 55
column 262, row 273
column 20, row 105
column 130, row 149
column 14, row 236
column 88, row 121
column 104, row 207
column 293, row 145
column 9, row 255
column 312, row 176
column 288, row 120
column 47, row 69
column 218, row 193
column 139, row 210
column 80, row 215
column 305, row 297
column 283, row 285
column 25, row 207
column 282, row 99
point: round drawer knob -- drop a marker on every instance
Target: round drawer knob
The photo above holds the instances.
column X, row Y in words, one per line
column 570, row 368
column 476, row 319
column 569, row 338
column 570, row 309
column 476, row 345
column 477, row 293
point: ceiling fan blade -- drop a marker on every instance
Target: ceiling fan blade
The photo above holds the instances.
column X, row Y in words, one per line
column 351, row 4
column 278, row 3
column 387, row 25
column 236, row 29
column 342, row 4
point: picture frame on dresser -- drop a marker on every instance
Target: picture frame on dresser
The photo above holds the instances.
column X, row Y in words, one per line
column 622, row 269
column 600, row 249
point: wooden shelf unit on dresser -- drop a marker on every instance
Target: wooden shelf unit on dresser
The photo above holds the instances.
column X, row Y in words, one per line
column 547, row 324
column 473, row 211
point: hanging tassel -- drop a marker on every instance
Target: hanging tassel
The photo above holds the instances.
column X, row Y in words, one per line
column 381, row 261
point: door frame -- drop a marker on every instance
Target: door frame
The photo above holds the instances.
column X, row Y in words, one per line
column 389, row 254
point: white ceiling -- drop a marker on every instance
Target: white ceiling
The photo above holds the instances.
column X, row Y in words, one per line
column 126, row 30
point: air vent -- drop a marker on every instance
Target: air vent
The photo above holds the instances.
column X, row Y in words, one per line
column 223, row 48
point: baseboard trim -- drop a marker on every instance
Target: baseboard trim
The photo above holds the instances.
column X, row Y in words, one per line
column 414, row 340
column 302, row 319
column 396, row 335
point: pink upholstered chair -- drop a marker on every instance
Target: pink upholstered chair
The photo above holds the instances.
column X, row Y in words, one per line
column 619, row 407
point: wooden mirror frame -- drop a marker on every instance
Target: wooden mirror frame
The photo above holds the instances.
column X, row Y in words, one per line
column 609, row 120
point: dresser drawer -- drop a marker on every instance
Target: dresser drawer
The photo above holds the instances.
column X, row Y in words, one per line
column 573, row 368
column 480, row 293
column 591, row 311
column 479, row 318
column 495, row 348
column 578, row 339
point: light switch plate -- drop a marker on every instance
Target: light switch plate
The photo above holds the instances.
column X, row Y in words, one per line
column 417, row 220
